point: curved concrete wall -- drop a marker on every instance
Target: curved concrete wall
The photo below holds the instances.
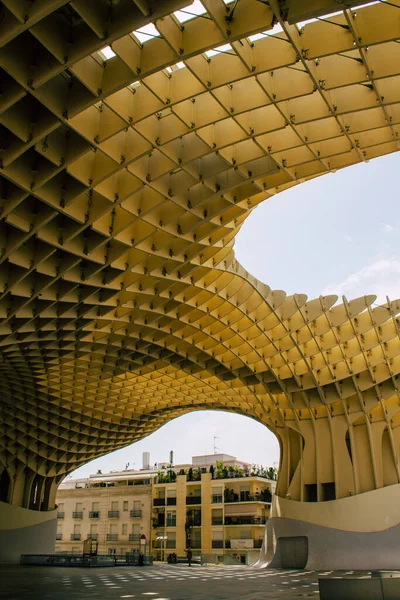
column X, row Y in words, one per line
column 333, row 548
column 24, row 531
column 371, row 511
column 358, row 532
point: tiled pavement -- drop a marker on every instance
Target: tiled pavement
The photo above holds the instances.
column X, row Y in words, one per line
column 160, row 582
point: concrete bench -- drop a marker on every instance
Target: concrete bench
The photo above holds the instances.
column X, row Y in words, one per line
column 381, row 586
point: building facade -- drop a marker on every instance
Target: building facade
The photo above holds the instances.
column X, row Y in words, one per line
column 217, row 505
column 114, row 509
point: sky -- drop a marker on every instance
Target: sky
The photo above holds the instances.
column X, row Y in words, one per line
column 336, row 234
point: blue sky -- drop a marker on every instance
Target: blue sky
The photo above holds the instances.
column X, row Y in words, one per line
column 337, row 234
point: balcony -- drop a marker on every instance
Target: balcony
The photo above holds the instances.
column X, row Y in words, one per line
column 245, row 520
column 193, row 499
column 171, row 522
column 216, row 499
column 60, row 515
column 217, row 521
column 256, row 544
column 231, row 496
column 171, row 501
column 217, row 543
column 58, row 536
column 94, row 514
column 75, row 537
column 136, row 514
column 159, row 501
column 93, row 536
column 113, row 514
column 77, row 515
column 134, row 537
column 112, row 537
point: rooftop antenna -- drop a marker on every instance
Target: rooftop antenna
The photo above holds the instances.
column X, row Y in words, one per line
column 215, row 447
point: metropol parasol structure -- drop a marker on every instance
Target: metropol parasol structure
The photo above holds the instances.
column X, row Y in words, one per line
column 135, row 138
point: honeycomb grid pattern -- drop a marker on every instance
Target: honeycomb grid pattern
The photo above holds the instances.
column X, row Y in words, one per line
column 127, row 168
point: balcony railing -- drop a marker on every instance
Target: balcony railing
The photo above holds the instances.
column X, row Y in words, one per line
column 134, row 537
column 257, row 543
column 58, row 536
column 217, row 521
column 245, row 520
column 60, row 515
column 171, row 501
column 193, row 499
column 75, row 537
column 77, row 515
column 136, row 514
column 217, row 543
column 159, row 501
column 216, row 499
column 93, row 536
column 113, row 514
column 94, row 514
column 246, row 498
column 171, row 522
column 112, row 537
column 170, row 543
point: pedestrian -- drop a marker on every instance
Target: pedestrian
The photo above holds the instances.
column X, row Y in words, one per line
column 189, row 555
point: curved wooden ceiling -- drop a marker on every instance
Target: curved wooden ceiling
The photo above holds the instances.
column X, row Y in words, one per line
column 129, row 159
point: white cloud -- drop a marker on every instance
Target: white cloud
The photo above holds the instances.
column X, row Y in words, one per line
column 380, row 277
column 387, row 228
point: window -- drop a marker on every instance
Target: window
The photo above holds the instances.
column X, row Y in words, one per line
column 78, row 507
column 216, row 495
column 136, row 529
column 77, row 529
column 217, row 540
column 114, row 505
column 217, row 517
column 94, row 529
column 171, row 540
column 95, row 506
column 61, row 507
column 124, row 529
column 171, row 518
column 137, row 505
column 244, row 493
column 113, row 529
column 125, row 505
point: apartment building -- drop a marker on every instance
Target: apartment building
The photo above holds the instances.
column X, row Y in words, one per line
column 114, row 509
column 216, row 504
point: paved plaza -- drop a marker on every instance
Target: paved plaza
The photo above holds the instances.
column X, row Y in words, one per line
column 160, row 582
